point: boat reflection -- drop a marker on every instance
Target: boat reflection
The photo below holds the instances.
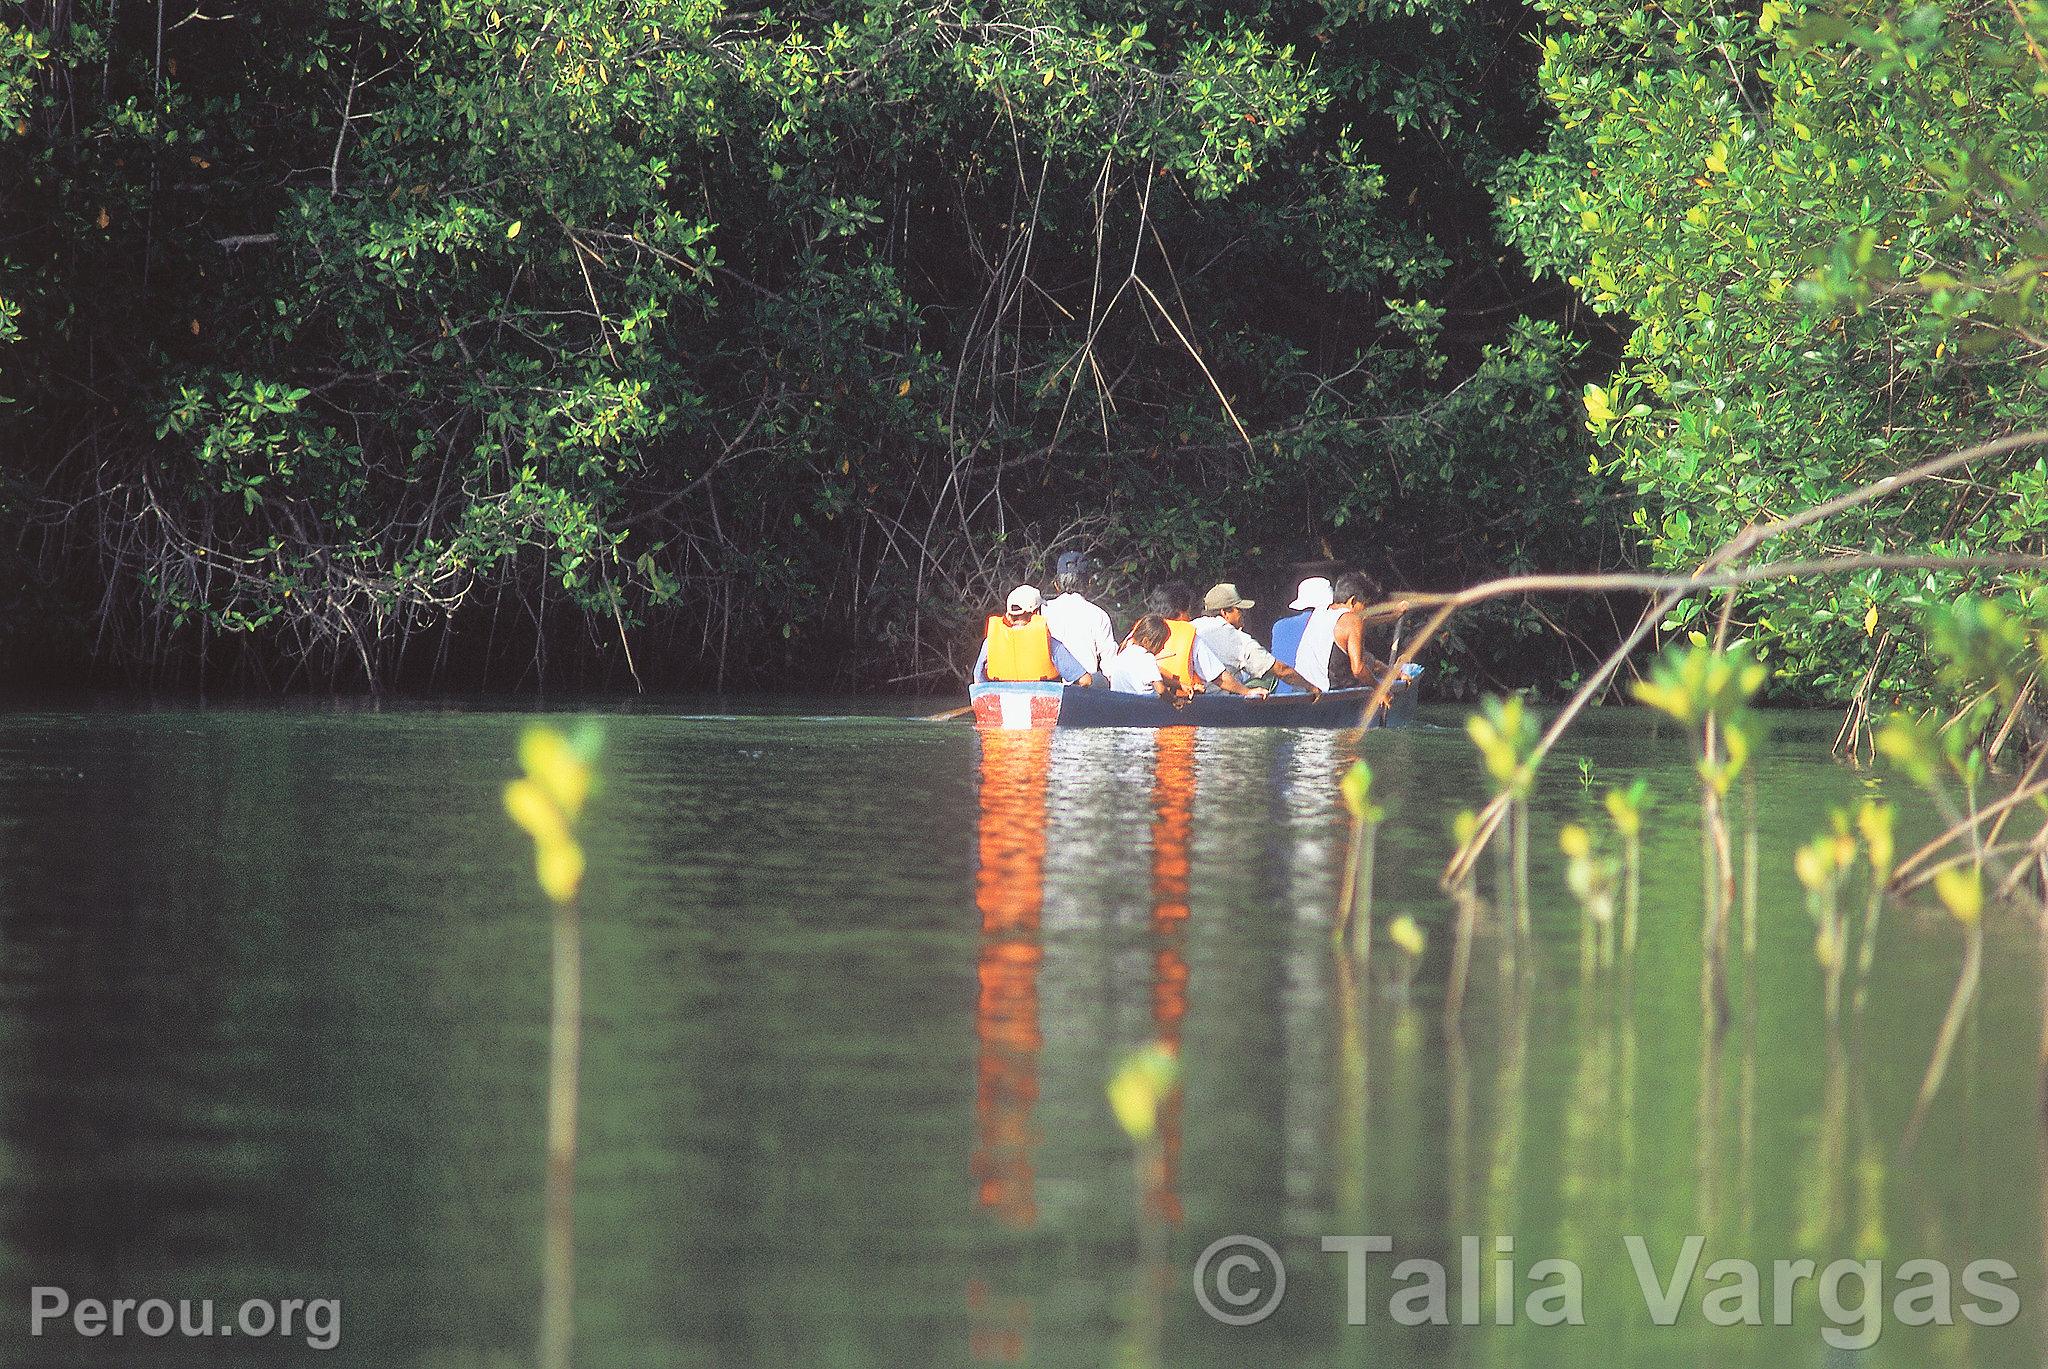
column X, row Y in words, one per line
column 1009, row 893
column 1173, row 822
column 1085, row 849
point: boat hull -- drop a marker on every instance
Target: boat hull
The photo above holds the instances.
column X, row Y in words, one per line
column 1020, row 706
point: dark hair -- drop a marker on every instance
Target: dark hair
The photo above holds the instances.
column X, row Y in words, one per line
column 1356, row 584
column 1171, row 599
column 1149, row 632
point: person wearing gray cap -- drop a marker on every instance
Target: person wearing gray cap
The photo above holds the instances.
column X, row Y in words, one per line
column 1221, row 630
column 1083, row 639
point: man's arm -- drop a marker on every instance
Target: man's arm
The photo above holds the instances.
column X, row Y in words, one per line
column 1226, row 680
column 1258, row 661
column 1296, row 678
column 1070, row 666
column 1350, row 635
column 1209, row 668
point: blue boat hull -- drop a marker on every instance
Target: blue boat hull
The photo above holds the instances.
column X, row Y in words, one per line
column 1056, row 705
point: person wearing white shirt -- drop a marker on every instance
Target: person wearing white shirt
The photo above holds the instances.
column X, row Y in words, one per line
column 1221, row 630
column 1313, row 593
column 1135, row 669
column 1312, row 656
column 1084, row 641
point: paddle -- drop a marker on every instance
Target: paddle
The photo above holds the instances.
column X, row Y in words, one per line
column 949, row 714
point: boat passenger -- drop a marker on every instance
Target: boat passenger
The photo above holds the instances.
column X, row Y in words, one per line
column 1351, row 663
column 1237, row 657
column 1312, row 594
column 1136, row 668
column 1083, row 641
column 1312, row 657
column 1018, row 645
column 1185, row 662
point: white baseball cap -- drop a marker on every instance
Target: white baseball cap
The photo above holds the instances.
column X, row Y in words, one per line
column 1314, row 592
column 1025, row 599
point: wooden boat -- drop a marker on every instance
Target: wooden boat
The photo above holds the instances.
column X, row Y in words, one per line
column 1058, row 705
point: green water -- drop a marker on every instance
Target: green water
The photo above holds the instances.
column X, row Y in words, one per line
column 274, row 1005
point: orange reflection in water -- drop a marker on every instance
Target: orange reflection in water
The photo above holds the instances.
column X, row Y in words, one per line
column 1173, row 825
column 1009, row 891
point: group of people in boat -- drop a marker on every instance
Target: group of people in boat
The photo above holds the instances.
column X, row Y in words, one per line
column 1181, row 647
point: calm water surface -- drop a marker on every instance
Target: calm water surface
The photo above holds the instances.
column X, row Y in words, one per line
column 274, row 1003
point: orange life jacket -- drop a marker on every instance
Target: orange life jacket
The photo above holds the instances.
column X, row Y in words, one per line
column 1020, row 653
column 1177, row 662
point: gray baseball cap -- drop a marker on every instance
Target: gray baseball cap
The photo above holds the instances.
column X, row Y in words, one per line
column 1223, row 596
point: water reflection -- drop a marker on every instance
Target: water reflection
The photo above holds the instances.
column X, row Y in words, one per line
column 1173, row 821
column 1009, row 893
column 1564, row 1110
column 843, row 1097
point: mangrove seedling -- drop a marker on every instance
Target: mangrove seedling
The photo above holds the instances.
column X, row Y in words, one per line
column 1625, row 807
column 1961, row 890
column 1144, row 1084
column 548, row 804
column 1822, row 864
column 1354, row 899
column 1140, row 1087
column 1915, row 748
column 1464, row 828
column 1876, row 820
column 1987, row 655
column 1408, row 938
column 1592, row 878
column 1708, row 692
column 1506, row 734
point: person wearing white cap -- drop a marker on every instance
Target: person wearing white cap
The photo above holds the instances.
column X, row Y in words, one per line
column 1018, row 645
column 1312, row 594
column 1221, row 629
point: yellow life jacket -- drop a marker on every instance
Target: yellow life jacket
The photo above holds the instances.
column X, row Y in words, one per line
column 1177, row 662
column 1020, row 653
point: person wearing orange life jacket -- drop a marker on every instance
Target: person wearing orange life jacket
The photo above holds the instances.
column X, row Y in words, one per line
column 1184, row 662
column 1018, row 644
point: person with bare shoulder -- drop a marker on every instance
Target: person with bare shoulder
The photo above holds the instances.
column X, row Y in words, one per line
column 1351, row 664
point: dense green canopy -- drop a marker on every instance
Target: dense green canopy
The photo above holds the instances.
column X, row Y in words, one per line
column 791, row 335
column 470, row 342
column 1828, row 225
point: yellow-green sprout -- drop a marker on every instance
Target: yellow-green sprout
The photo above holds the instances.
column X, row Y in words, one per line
column 1406, row 933
column 1146, row 1080
column 546, row 804
column 1876, row 820
column 1961, row 890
